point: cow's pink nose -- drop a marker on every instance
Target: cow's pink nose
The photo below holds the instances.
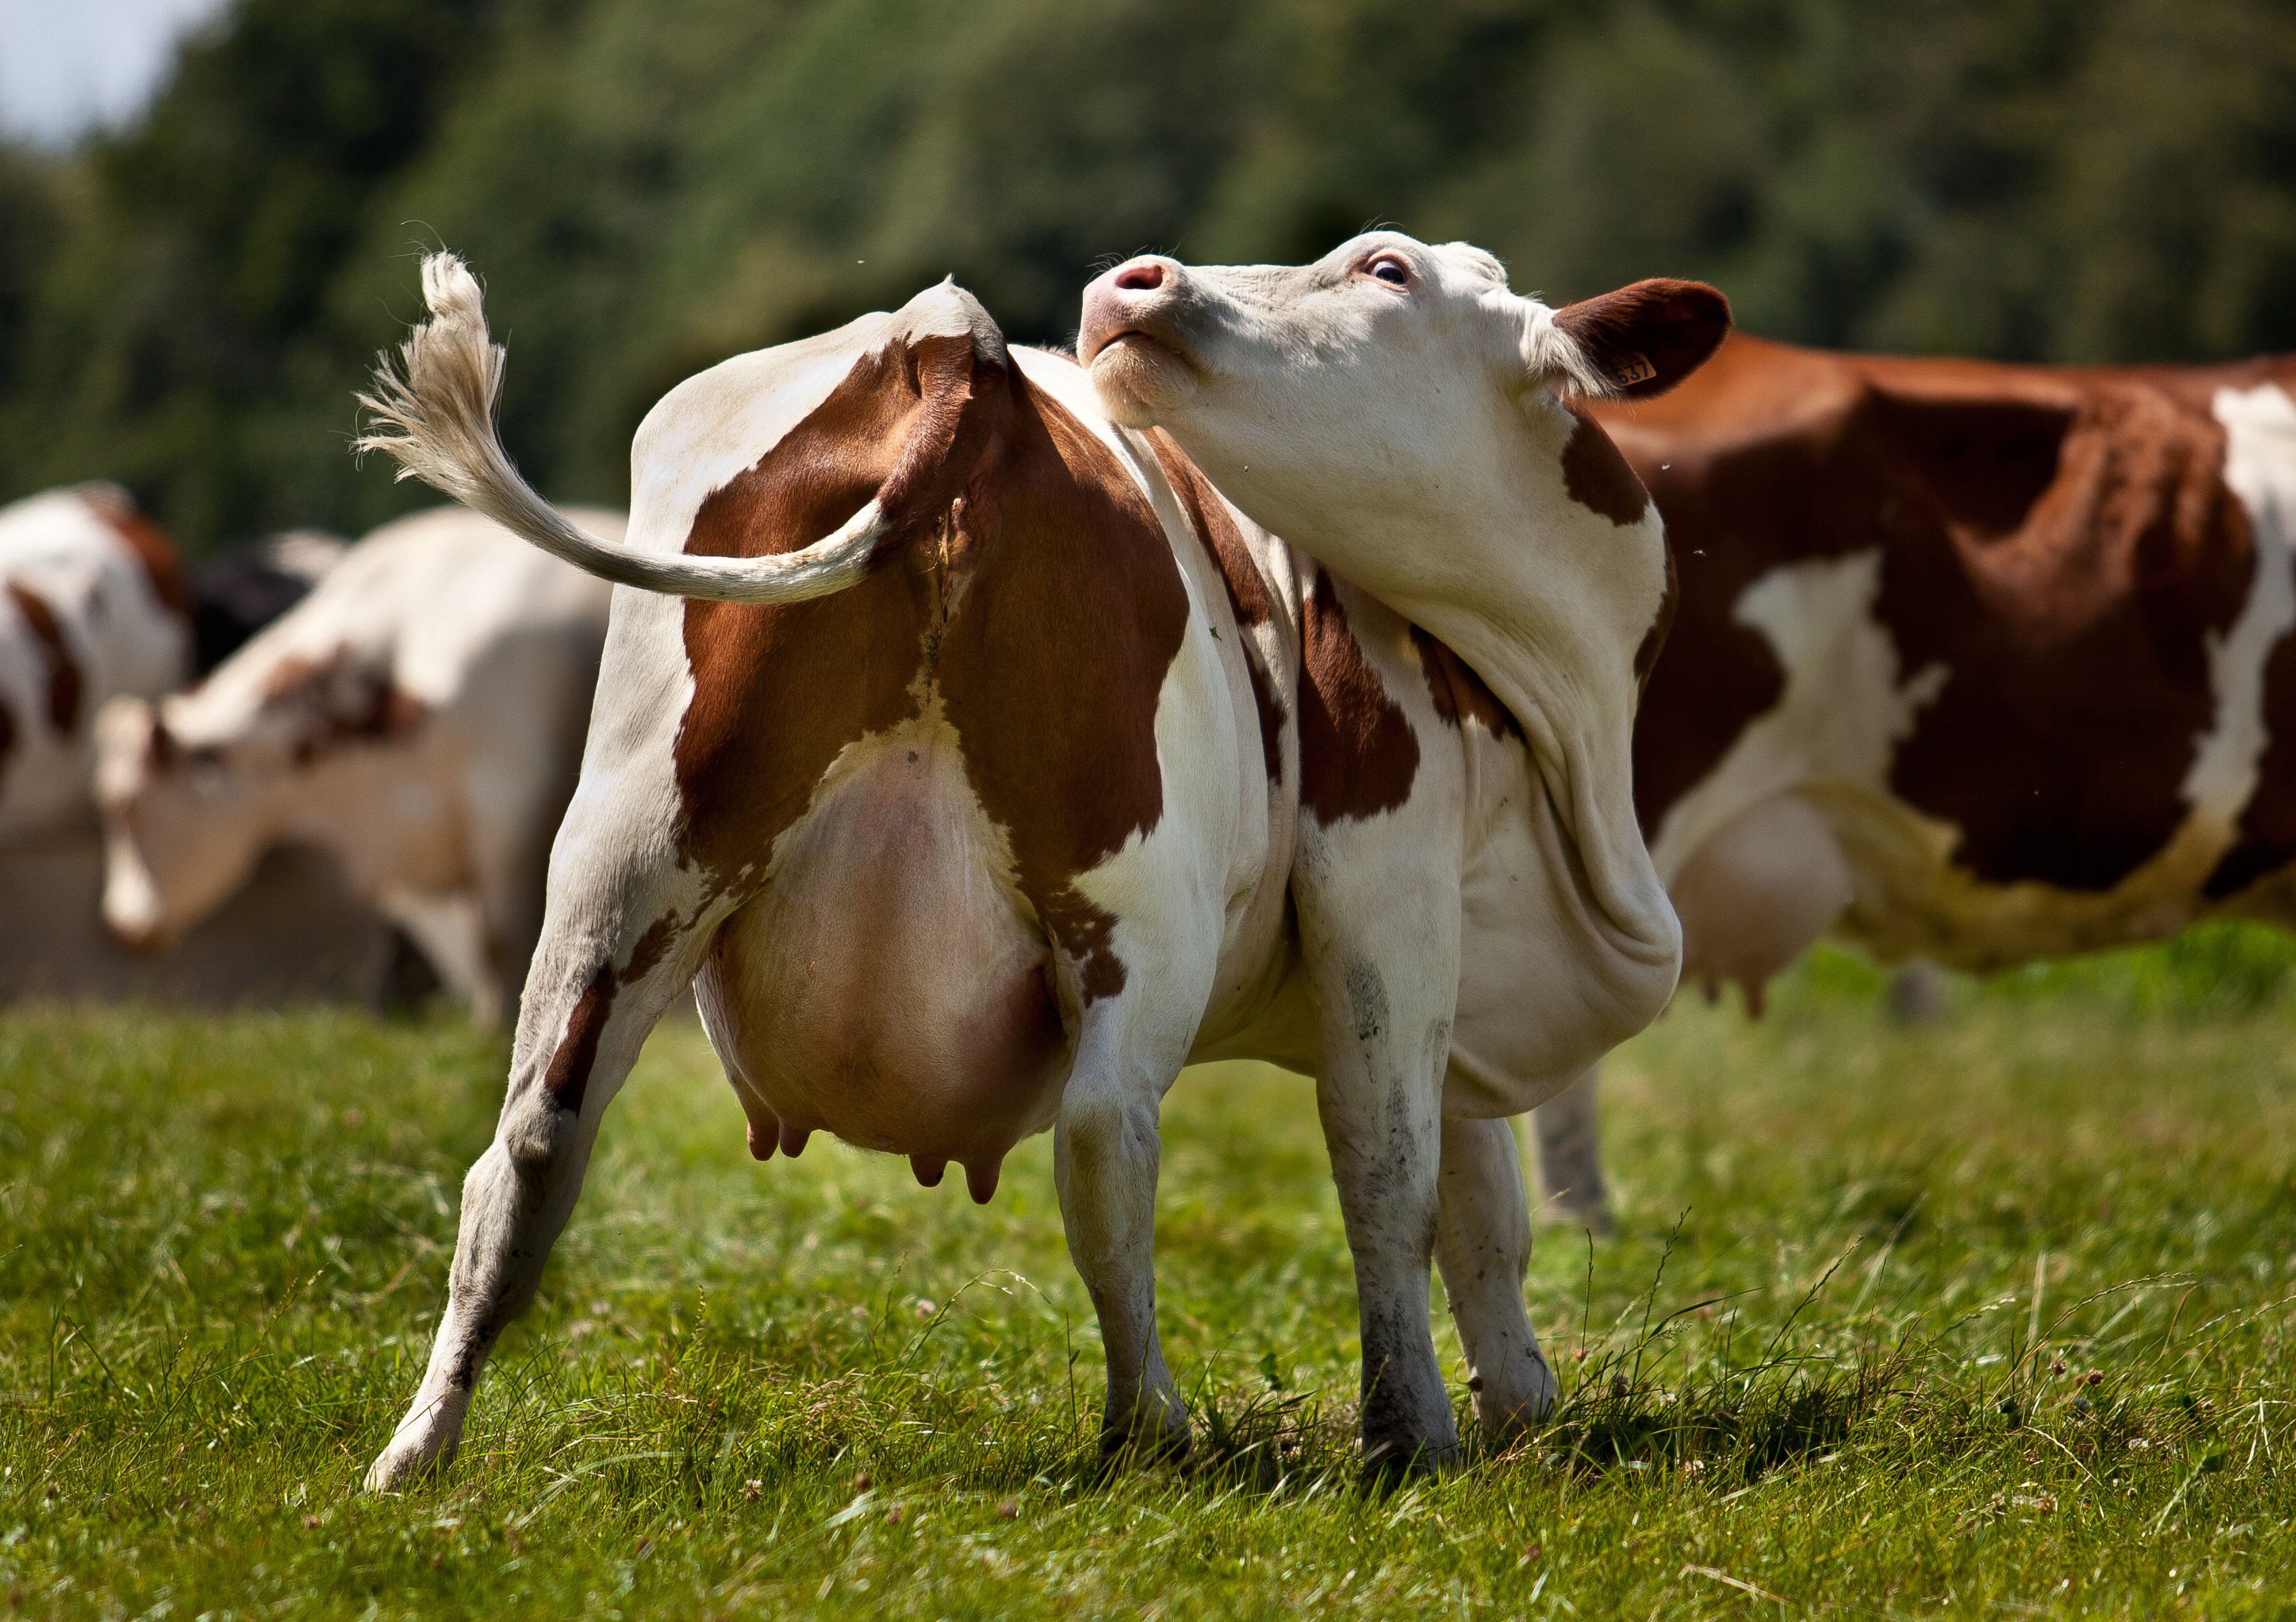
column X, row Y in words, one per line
column 1144, row 277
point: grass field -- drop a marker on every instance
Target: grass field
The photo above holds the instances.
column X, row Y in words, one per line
column 1988, row 1316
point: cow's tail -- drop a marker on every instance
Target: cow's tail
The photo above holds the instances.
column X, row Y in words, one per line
column 433, row 410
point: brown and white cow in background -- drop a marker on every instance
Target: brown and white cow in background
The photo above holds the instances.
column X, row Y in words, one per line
column 93, row 603
column 419, row 717
column 986, row 810
column 1974, row 662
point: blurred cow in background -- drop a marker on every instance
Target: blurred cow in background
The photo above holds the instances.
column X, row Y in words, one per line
column 236, row 596
column 1974, row 662
column 419, row 717
column 93, row 603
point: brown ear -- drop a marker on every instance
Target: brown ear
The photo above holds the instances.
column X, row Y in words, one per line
column 1647, row 338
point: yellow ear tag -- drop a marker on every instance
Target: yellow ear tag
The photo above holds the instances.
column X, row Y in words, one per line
column 1636, row 368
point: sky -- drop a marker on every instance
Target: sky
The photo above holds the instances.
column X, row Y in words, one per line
column 66, row 65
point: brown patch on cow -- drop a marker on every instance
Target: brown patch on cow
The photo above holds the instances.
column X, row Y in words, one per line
column 2060, row 543
column 7, row 739
column 1461, row 695
column 347, row 698
column 2075, row 635
column 1248, row 594
column 1357, row 754
column 66, row 685
column 1026, row 578
column 567, row 1078
column 1597, row 478
column 163, row 564
column 1053, row 664
column 779, row 691
column 653, row 947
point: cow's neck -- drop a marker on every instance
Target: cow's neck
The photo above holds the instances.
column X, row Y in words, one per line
column 1549, row 600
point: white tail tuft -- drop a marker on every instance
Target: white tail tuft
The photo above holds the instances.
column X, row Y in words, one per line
column 434, row 412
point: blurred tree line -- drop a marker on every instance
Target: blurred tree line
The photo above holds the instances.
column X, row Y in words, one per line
column 649, row 185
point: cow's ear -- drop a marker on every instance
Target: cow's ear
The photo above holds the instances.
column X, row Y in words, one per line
column 1644, row 339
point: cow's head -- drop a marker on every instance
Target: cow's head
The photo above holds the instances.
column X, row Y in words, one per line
column 195, row 789
column 180, row 829
column 1381, row 390
column 1396, row 412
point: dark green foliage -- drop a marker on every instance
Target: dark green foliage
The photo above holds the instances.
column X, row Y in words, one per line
column 652, row 185
column 181, row 340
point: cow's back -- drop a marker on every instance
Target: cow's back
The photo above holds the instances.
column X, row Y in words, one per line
column 428, row 605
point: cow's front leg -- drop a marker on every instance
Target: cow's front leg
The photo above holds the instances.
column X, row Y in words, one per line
column 586, row 1014
column 1106, row 1155
column 1384, row 964
column 1483, row 1246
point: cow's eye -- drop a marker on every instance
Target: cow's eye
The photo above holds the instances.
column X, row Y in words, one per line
column 1387, row 268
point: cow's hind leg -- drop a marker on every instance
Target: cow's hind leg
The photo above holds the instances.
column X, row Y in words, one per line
column 1106, row 1156
column 613, row 957
column 1571, row 1155
column 1483, row 1246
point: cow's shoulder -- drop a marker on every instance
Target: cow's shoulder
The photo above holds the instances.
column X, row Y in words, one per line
column 1264, row 609
column 1359, row 754
column 1055, row 658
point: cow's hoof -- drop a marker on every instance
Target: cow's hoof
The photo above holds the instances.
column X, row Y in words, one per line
column 1154, row 1436
column 402, row 1463
column 1389, row 1462
column 1505, row 1416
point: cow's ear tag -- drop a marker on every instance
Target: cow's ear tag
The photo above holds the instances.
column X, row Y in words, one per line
column 1634, row 367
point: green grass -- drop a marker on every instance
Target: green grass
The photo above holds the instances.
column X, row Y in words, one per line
column 1986, row 1315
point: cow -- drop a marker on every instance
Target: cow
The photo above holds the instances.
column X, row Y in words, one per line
column 979, row 765
column 93, row 603
column 1975, row 663
column 419, row 717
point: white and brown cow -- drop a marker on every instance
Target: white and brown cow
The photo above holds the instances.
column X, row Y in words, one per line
column 1974, row 662
column 93, row 603
column 973, row 759
column 419, row 717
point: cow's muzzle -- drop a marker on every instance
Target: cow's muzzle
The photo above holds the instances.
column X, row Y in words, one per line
column 1141, row 300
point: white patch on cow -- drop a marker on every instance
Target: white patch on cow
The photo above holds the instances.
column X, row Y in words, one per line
column 1845, row 707
column 2260, row 469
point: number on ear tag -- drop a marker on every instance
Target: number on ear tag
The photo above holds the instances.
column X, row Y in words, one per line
column 1634, row 368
